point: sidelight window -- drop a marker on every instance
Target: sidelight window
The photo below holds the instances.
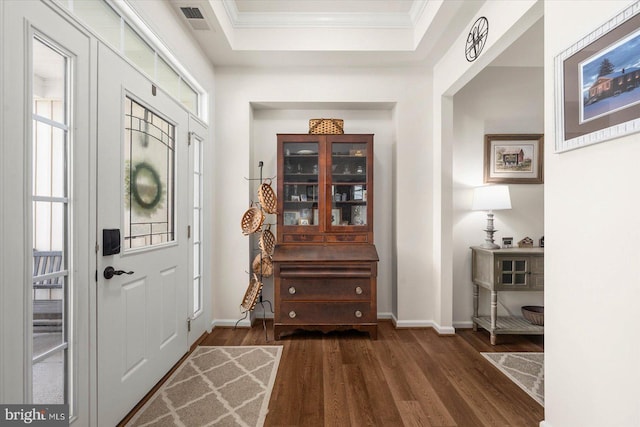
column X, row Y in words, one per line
column 51, row 281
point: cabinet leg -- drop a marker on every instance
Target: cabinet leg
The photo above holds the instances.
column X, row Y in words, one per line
column 493, row 339
column 475, row 327
column 494, row 309
column 476, row 292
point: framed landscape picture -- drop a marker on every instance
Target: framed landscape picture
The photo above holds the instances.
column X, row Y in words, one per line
column 513, row 158
column 598, row 84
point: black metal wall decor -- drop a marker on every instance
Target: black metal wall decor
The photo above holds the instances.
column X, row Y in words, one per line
column 476, row 39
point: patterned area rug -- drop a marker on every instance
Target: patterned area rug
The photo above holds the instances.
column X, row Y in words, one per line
column 223, row 386
column 524, row 369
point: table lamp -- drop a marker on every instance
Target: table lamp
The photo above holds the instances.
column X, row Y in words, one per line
column 491, row 198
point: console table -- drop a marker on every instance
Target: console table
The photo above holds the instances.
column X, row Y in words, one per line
column 497, row 270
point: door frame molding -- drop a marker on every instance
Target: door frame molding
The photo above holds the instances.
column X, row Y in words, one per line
column 16, row 336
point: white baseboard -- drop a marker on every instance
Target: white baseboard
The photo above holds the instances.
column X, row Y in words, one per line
column 386, row 316
column 441, row 330
column 245, row 323
column 463, row 325
column 543, row 423
column 400, row 324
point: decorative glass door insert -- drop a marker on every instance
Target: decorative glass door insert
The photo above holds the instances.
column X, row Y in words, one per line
column 149, row 157
column 349, row 184
column 301, row 191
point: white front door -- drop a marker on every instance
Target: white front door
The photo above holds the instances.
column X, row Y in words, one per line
column 142, row 217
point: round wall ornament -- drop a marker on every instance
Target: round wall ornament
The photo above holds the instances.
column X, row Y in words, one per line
column 146, row 187
column 476, row 39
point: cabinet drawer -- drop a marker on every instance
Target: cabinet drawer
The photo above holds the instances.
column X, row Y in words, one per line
column 302, row 238
column 330, row 313
column 347, row 238
column 338, row 289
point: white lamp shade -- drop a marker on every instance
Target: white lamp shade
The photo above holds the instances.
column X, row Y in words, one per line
column 491, row 198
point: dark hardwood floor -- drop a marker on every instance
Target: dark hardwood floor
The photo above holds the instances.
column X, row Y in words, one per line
column 408, row 377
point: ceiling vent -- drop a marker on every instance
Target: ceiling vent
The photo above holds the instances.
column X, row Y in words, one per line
column 195, row 18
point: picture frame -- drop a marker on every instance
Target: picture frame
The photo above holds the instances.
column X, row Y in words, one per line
column 514, row 158
column 359, row 215
column 358, row 192
column 336, row 216
column 507, row 242
column 597, row 85
column 290, row 217
column 306, row 213
column 311, row 193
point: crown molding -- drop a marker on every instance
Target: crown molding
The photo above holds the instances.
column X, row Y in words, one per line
column 417, row 9
column 396, row 20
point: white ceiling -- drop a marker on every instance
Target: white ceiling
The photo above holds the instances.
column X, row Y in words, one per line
column 338, row 33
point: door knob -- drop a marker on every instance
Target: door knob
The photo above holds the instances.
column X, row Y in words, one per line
column 109, row 272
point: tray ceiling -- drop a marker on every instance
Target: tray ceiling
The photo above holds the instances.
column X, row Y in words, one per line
column 325, row 32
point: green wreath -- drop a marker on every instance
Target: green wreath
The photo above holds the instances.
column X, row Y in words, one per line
column 147, row 192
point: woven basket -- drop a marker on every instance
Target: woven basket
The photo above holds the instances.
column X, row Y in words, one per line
column 262, row 265
column 267, row 197
column 267, row 241
column 534, row 314
column 326, row 126
column 251, row 220
column 250, row 298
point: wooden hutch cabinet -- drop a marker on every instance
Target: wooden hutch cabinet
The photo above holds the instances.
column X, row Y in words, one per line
column 325, row 263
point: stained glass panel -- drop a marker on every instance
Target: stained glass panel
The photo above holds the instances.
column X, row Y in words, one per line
column 149, row 177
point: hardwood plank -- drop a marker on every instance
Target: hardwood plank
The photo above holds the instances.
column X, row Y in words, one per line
column 412, row 414
column 375, row 381
column 434, row 365
column 406, row 378
column 336, row 404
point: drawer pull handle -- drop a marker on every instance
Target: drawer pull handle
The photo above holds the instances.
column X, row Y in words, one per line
column 292, row 290
column 358, row 314
column 292, row 314
column 358, row 290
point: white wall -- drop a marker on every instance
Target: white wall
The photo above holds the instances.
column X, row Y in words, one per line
column 404, row 131
column 499, row 100
column 592, row 280
column 507, row 21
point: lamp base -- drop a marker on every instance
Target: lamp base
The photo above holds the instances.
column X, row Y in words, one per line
column 488, row 240
column 489, row 245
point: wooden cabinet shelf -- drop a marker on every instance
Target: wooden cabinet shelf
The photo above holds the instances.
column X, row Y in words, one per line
column 513, row 269
column 325, row 263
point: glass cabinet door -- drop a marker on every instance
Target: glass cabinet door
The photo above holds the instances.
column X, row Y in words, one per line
column 514, row 272
column 348, row 164
column 300, row 185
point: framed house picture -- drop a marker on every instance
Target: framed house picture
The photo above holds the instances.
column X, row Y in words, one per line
column 597, row 84
column 513, row 159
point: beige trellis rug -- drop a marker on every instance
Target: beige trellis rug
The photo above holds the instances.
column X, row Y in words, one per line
column 222, row 386
column 524, row 369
